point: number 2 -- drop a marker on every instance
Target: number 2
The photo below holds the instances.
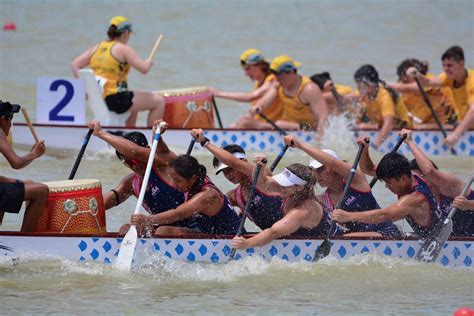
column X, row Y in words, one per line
column 54, row 113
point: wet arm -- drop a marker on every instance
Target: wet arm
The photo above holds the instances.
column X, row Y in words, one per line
column 15, row 161
column 132, row 58
column 244, row 96
column 284, row 227
column 312, row 94
column 387, row 126
column 393, row 212
column 82, row 61
column 124, row 191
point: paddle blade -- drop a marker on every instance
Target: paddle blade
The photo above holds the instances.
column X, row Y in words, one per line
column 431, row 247
column 127, row 249
column 323, row 250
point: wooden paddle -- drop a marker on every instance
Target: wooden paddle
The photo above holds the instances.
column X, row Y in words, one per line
column 155, row 48
column 28, row 121
column 394, row 150
column 247, row 206
column 431, row 247
column 430, row 106
column 127, row 247
column 81, row 153
column 278, row 128
column 325, row 248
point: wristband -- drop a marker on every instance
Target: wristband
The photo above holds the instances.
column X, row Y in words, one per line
column 205, row 142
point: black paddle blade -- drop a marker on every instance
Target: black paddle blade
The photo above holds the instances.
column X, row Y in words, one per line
column 323, row 250
column 431, row 247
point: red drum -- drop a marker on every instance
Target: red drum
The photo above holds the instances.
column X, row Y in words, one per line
column 74, row 206
column 188, row 108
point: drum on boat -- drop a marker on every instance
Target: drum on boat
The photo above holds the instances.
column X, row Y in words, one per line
column 188, row 107
column 74, row 206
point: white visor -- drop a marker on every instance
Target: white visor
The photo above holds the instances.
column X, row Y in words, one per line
column 221, row 166
column 287, row 178
column 316, row 164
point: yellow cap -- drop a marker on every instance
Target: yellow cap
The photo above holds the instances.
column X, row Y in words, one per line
column 251, row 56
column 283, row 64
column 122, row 23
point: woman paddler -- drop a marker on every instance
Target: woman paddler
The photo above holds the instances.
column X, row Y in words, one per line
column 303, row 215
column 133, row 150
column 111, row 61
column 332, row 173
column 265, row 208
column 204, row 203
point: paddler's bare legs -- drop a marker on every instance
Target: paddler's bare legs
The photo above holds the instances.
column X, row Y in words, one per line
column 36, row 195
column 143, row 101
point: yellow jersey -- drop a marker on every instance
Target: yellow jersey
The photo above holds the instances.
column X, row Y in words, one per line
column 441, row 99
column 463, row 95
column 294, row 110
column 383, row 105
column 110, row 73
column 273, row 111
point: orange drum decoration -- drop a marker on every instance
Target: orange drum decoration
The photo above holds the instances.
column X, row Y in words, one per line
column 188, row 108
column 74, row 206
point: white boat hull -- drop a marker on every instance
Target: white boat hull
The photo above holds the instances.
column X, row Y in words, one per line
column 69, row 137
column 458, row 253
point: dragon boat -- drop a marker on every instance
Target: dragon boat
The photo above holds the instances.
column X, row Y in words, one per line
column 103, row 248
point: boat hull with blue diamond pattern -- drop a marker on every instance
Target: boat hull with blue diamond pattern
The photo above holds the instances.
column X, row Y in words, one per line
column 456, row 253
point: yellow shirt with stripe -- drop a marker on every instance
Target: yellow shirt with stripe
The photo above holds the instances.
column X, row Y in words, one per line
column 110, row 72
column 383, row 105
column 273, row 111
column 463, row 95
column 441, row 99
column 294, row 110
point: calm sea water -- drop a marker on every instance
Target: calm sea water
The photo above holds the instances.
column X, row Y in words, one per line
column 203, row 40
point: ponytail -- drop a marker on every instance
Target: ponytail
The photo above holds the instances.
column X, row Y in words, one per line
column 187, row 167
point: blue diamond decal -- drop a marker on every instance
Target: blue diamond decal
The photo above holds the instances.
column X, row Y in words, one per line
column 365, row 249
column 179, row 249
column 233, row 138
column 202, row 250
column 410, row 252
column 107, row 260
column 253, row 139
column 467, row 261
column 156, row 247
column 107, row 246
column 285, row 257
column 273, row 251
column 271, row 139
column 376, row 244
column 296, row 251
column 250, row 251
column 467, row 246
column 445, row 261
column 95, row 239
column 456, row 252
column 82, row 245
column 94, row 254
column 353, row 244
column 214, row 243
column 168, row 254
column 387, row 251
column 284, row 244
column 191, row 257
column 261, row 145
column 226, row 250
column 167, row 242
column 436, row 139
column 191, row 242
column 214, row 257
column 342, row 251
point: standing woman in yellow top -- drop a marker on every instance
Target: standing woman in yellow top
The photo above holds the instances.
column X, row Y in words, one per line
column 258, row 70
column 461, row 82
column 111, row 61
column 441, row 98
column 382, row 107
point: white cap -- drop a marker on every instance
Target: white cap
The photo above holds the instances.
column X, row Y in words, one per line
column 287, row 178
column 316, row 164
column 221, row 166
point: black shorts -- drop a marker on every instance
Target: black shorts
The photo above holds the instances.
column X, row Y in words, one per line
column 120, row 102
column 12, row 196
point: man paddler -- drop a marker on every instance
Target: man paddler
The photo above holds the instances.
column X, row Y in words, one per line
column 13, row 191
column 303, row 104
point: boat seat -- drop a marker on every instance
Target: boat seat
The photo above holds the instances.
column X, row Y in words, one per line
column 97, row 104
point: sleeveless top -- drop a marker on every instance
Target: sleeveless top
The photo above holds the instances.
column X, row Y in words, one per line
column 319, row 230
column 463, row 221
column 383, row 105
column 225, row 222
column 359, row 201
column 264, row 210
column 419, row 186
column 294, row 110
column 160, row 196
column 273, row 111
column 110, row 73
column 463, row 95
